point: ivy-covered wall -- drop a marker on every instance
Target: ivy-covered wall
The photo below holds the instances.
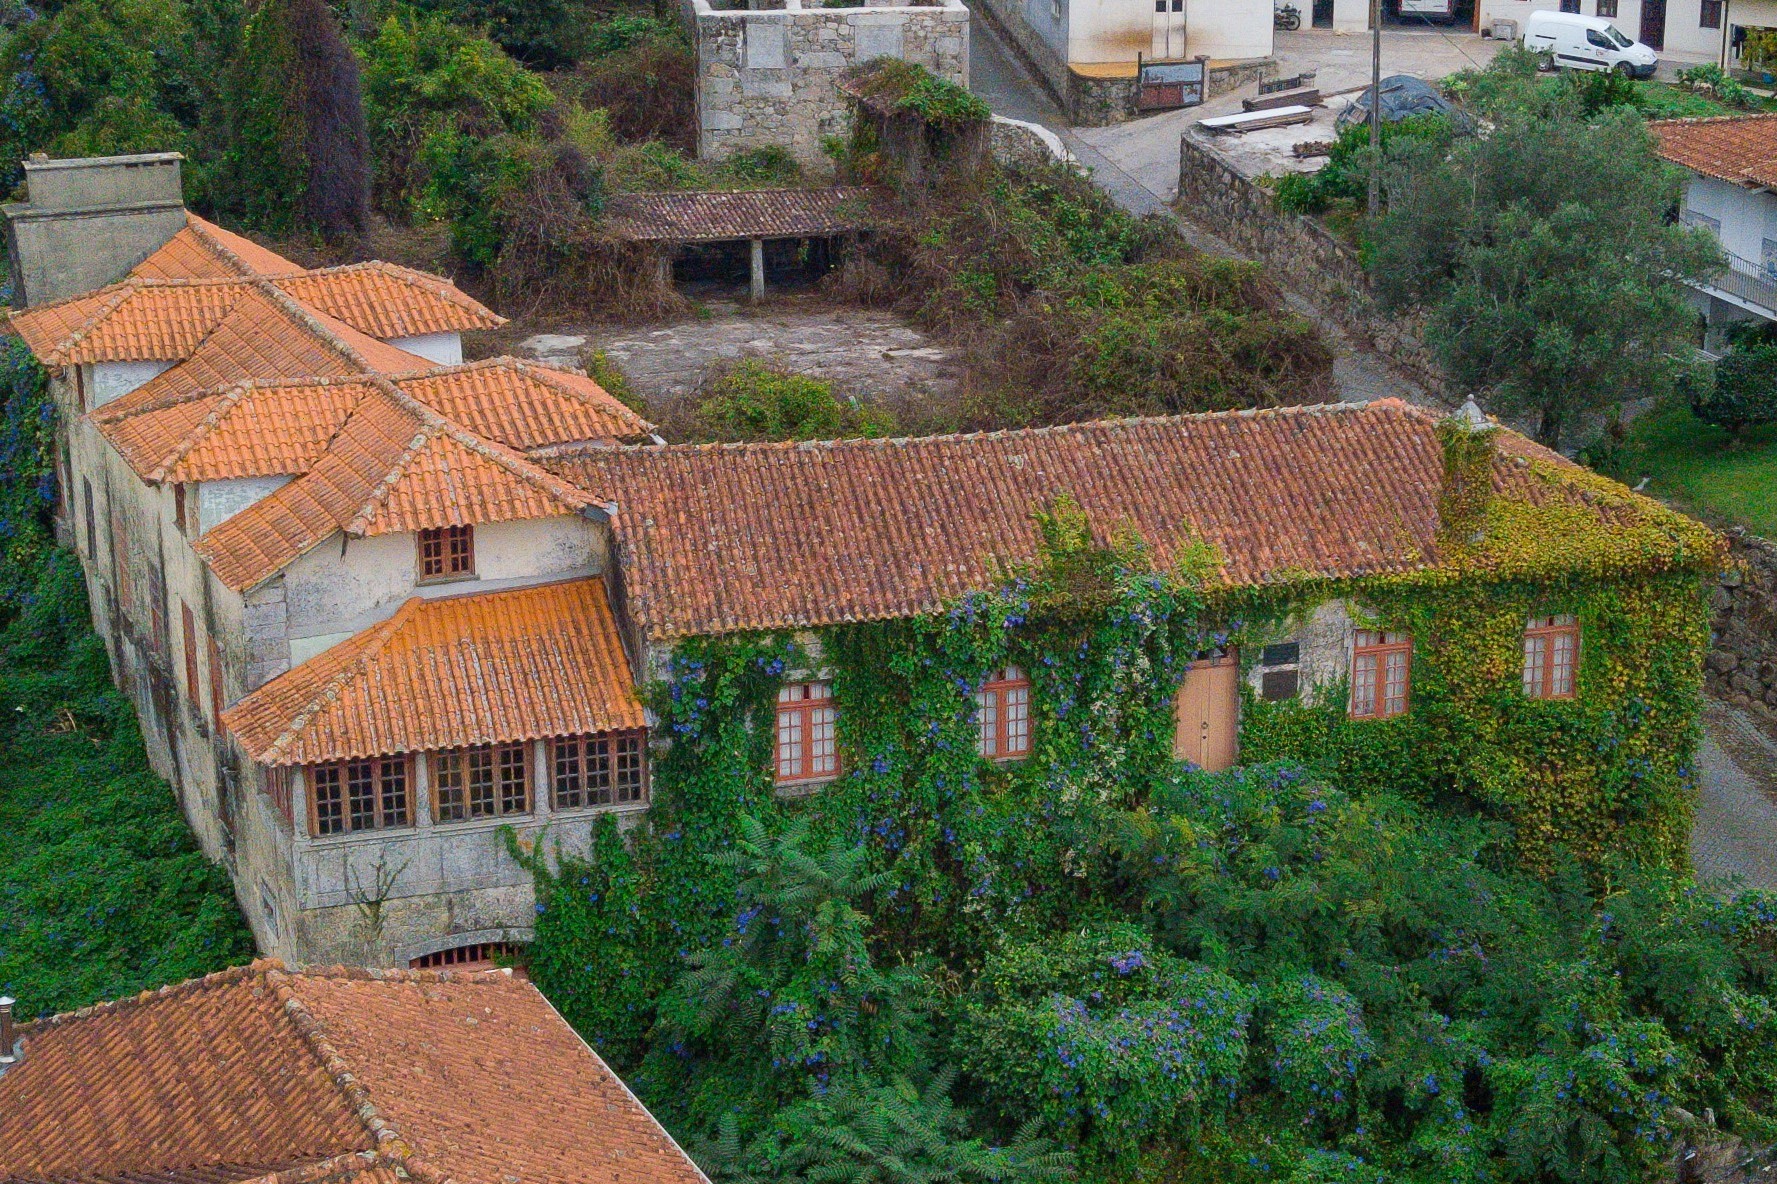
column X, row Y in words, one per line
column 983, row 853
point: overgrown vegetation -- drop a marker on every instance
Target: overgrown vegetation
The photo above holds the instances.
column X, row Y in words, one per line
column 1375, row 969
column 750, row 400
column 1062, row 306
column 103, row 891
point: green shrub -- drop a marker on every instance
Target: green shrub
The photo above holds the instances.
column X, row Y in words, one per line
column 753, row 401
column 1744, row 392
column 423, row 75
column 1344, row 180
column 1106, row 1038
column 27, row 474
column 546, row 34
column 770, row 165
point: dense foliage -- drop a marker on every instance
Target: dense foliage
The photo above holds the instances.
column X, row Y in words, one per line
column 1385, row 964
column 750, row 400
column 103, row 891
column 1742, row 392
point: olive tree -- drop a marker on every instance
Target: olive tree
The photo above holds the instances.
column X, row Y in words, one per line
column 1544, row 255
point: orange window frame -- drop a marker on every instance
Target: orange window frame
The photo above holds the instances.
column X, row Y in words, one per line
column 1002, row 713
column 1381, row 674
column 347, row 797
column 1551, row 657
column 805, row 745
column 447, row 552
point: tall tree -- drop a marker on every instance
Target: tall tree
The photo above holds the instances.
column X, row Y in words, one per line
column 301, row 159
column 1544, row 255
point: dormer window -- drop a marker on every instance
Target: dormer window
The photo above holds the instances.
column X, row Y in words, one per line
column 447, row 553
column 1002, row 708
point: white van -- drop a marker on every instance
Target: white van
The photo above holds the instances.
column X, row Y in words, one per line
column 1587, row 43
column 1441, row 11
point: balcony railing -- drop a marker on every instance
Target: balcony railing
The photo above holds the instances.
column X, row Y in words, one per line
column 1754, row 283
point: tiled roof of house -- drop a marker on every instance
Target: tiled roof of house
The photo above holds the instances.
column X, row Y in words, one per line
column 272, row 427
column 394, row 465
column 489, row 667
column 278, row 371
column 365, row 1077
column 720, row 538
column 747, row 213
column 1737, row 148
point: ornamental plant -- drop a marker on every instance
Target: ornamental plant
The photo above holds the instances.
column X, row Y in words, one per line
column 1106, row 1038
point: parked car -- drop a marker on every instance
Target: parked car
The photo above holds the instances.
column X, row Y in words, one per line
column 1587, row 43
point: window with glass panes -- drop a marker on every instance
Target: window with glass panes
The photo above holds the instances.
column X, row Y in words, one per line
column 349, row 796
column 805, row 749
column 487, row 781
column 608, row 769
column 1002, row 707
column 447, row 551
column 1551, row 650
column 1380, row 664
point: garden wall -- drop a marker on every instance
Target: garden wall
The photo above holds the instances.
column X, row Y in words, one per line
column 1742, row 663
column 1300, row 253
column 769, row 75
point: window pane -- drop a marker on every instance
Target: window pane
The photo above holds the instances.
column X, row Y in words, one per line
column 570, row 784
column 1363, row 685
column 789, row 743
column 1535, row 652
column 514, row 783
column 631, row 768
column 481, row 782
column 448, row 780
column 822, row 757
column 360, row 795
column 1017, row 709
column 987, row 713
column 324, row 784
column 394, row 786
column 1395, row 691
column 1566, row 643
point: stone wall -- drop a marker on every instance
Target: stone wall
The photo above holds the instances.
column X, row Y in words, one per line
column 771, row 76
column 1742, row 664
column 1300, row 253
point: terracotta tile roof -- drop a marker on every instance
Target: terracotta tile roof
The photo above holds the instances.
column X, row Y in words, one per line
column 748, row 213
column 484, row 668
column 204, row 250
column 1737, row 148
column 718, row 538
column 262, row 428
column 338, row 1077
column 149, row 319
column 384, row 300
column 394, row 465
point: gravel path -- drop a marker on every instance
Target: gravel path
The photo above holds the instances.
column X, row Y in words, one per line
column 1735, row 836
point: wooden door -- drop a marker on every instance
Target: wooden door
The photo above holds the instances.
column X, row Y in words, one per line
column 1168, row 43
column 1208, row 709
column 1653, row 23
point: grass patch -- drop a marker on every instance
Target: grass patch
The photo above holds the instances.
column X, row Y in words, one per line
column 1697, row 465
column 103, row 890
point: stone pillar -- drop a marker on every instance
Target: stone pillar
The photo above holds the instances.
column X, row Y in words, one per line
column 757, row 287
column 663, row 266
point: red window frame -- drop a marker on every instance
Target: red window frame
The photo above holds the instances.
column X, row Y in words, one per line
column 1551, row 656
column 1002, row 711
column 479, row 955
column 447, row 552
column 602, row 769
column 805, row 746
column 485, row 781
column 194, row 693
column 346, row 797
column 1381, row 674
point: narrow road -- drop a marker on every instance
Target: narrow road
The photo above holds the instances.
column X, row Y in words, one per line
column 1734, row 838
column 999, row 76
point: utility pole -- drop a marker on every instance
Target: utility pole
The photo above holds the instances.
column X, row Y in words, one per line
column 1375, row 108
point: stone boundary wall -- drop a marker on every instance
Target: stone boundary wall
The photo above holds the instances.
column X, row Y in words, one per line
column 1742, row 663
column 1301, row 254
column 770, row 75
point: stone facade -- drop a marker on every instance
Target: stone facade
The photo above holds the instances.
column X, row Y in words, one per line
column 770, row 76
column 1301, row 254
column 1742, row 663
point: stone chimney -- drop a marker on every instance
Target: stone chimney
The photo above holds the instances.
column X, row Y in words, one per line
column 86, row 222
